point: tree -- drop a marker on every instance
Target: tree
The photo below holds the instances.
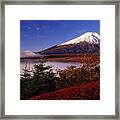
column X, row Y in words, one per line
column 43, row 76
column 25, row 80
column 37, row 81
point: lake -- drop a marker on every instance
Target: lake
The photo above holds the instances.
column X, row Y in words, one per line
column 55, row 65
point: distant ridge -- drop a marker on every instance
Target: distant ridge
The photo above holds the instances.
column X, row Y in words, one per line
column 28, row 54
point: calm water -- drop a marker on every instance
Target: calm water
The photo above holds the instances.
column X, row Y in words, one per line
column 55, row 65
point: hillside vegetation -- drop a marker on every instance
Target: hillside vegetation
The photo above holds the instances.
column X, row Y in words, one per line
column 87, row 91
column 80, row 82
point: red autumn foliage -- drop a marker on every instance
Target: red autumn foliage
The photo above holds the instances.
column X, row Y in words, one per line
column 87, row 91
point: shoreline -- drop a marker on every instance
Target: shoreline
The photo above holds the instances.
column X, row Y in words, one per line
column 67, row 58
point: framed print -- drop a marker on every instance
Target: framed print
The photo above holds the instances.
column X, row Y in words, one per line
column 59, row 59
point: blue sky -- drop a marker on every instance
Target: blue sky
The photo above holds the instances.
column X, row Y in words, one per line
column 36, row 35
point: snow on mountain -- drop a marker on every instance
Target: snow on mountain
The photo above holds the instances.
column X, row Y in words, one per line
column 91, row 37
column 28, row 54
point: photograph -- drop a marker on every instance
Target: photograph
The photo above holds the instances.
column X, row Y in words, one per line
column 59, row 59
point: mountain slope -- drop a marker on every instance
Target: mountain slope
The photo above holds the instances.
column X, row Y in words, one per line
column 86, row 43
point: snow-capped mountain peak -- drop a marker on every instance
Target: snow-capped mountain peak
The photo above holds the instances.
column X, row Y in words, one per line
column 90, row 37
column 28, row 53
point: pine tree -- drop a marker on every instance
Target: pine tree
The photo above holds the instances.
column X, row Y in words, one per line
column 25, row 80
column 26, row 74
column 43, row 76
column 38, row 81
